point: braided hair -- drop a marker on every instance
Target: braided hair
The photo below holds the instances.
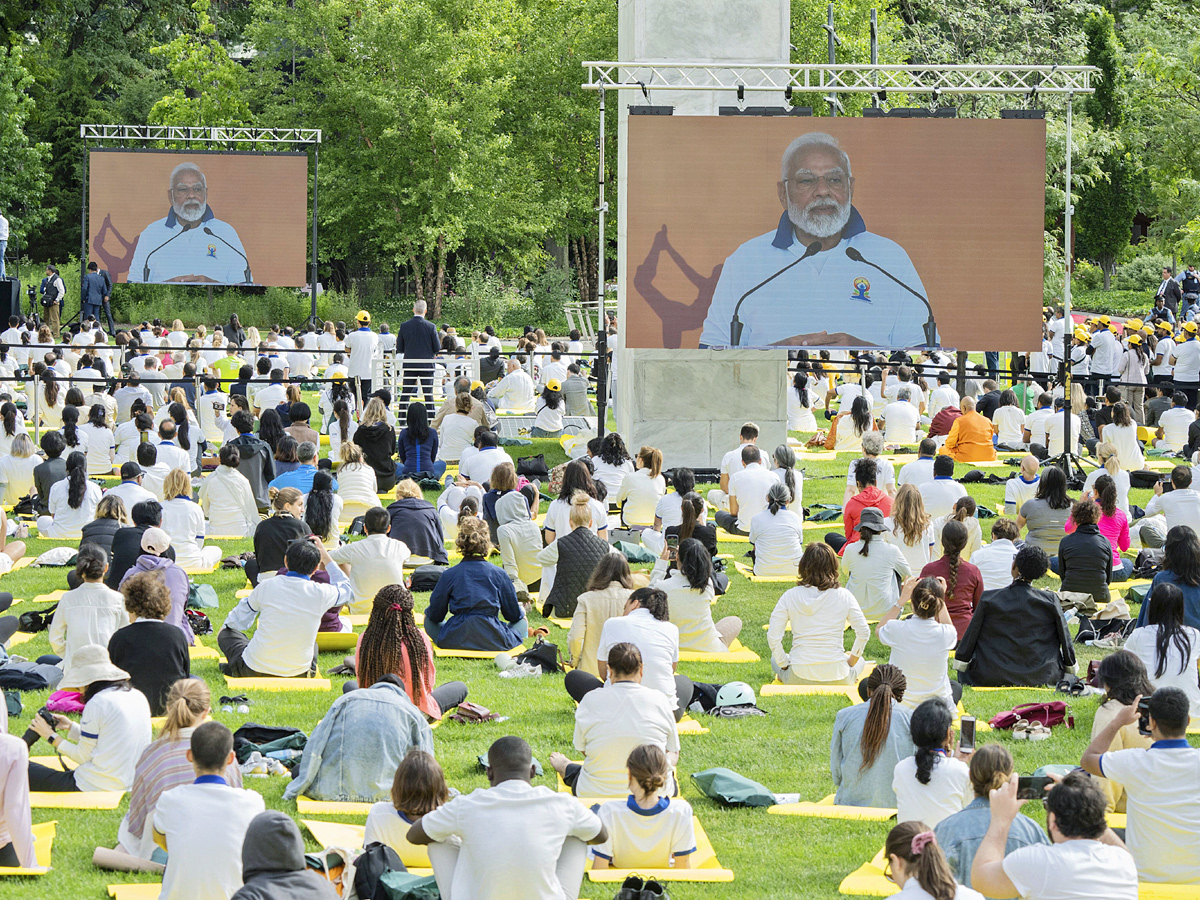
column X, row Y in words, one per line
column 391, row 637
column 954, row 541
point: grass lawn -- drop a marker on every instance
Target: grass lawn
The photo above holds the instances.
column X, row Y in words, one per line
column 787, row 750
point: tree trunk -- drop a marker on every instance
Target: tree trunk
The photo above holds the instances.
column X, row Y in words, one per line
column 418, row 280
column 440, row 282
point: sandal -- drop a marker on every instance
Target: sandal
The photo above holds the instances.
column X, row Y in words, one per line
column 1037, row 732
column 1021, row 730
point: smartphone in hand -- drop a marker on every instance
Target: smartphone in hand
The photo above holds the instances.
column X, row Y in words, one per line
column 1032, row 787
column 966, row 737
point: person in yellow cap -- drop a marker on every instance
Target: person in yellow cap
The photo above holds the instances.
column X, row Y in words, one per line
column 362, row 346
column 1080, row 360
column 548, row 420
column 1164, row 349
column 1106, row 356
column 1132, row 372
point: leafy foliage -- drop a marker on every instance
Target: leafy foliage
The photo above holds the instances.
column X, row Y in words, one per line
column 210, row 87
column 23, row 177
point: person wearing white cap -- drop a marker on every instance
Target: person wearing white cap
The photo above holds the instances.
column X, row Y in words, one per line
column 362, row 346
column 110, row 736
column 89, row 614
column 155, row 542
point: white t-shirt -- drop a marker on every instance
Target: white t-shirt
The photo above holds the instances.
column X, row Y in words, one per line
column 609, row 723
column 1178, row 672
column 914, row 891
column 1054, row 433
column 1072, row 870
column 900, row 422
column 917, row 472
column 994, row 562
column 921, row 649
column 949, row 790
column 388, row 825
column 670, row 510
column 456, row 434
column 480, row 465
column 941, row 397
column 846, row 393
column 750, row 487
column 1124, row 440
column 1011, row 423
column 885, row 473
column 1162, row 791
column 1187, row 361
column 646, row 838
column 101, row 448
column 920, row 554
column 558, row 517
column 205, row 825
column 657, row 641
column 732, row 461
column 640, row 494
column 361, row 345
column 1017, row 490
column 1174, row 423
column 940, row 495
column 778, row 542
column 1180, row 506
column 512, row 835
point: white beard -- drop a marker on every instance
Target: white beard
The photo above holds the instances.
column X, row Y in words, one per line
column 186, row 215
column 822, row 225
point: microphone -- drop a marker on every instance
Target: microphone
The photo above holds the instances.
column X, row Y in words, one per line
column 735, row 324
column 146, row 267
column 210, row 233
column 930, row 326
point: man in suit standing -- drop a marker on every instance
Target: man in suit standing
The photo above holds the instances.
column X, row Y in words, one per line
column 417, row 341
column 92, row 291
column 1170, row 291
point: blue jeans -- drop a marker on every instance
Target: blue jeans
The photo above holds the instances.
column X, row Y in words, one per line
column 1123, row 571
column 542, row 433
column 3, row 249
column 439, row 469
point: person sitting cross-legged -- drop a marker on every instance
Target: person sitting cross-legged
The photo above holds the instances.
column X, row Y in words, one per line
column 917, row 865
column 611, row 721
column 273, row 863
column 1017, row 635
column 869, row 739
column 511, row 833
column 289, row 610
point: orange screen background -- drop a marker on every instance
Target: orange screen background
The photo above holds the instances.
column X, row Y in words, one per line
column 264, row 197
column 964, row 197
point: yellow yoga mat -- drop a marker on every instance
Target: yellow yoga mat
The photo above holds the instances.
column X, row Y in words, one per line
column 243, row 593
column 1148, row 891
column 705, row 866
column 336, row 640
column 43, row 842
column 738, row 653
column 135, row 891
column 724, row 536
column 413, row 561
column 278, row 684
column 337, row 834
column 22, row 563
column 688, row 725
column 199, row 651
column 476, row 654
column 867, row 880
column 561, row 623
column 748, row 572
column 202, row 570
column 331, row 807
column 75, row 799
column 825, row 808
column 52, row 597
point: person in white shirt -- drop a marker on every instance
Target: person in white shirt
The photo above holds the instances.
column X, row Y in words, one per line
column 905, row 380
column 917, row 865
column 372, row 563
column 457, row 430
column 203, row 825
column 932, row 784
column 1169, row 649
column 642, row 489
column 515, row 391
column 611, row 463
column 72, row 502
column 362, row 345
column 478, row 468
column 170, row 449
column 1174, row 423
column 611, row 721
column 819, row 609
column 210, row 411
column 1181, row 504
column 101, row 444
column 873, row 565
column 1105, row 352
column 227, row 500
column 16, row 470
column 1162, row 787
column 921, row 645
column 183, row 520
column 1186, row 361
column 154, row 473
column 300, row 363
column 732, row 462
column 942, row 396
column 920, row 470
column 1086, row 860
column 1022, row 486
column 943, row 492
column 1160, row 357
column 512, row 834
column 777, row 535
column 89, row 614
column 800, row 399
column 555, row 369
column 130, row 489
column 885, row 472
column 748, row 491
column 108, row 739
column 1008, row 422
column 548, row 412
column 1054, row 440
column 995, row 560
column 1106, row 456
column 900, row 419
column 289, row 611
column 1035, row 422
column 912, row 530
column 686, row 575
column 1121, row 432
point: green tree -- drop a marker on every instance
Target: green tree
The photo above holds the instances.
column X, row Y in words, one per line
column 23, row 177
column 209, row 87
column 1106, row 208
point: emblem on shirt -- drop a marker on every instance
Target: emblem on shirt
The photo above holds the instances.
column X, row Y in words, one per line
column 862, row 290
column 212, row 252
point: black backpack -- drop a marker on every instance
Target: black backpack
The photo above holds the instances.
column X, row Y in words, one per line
column 376, row 859
column 36, row 620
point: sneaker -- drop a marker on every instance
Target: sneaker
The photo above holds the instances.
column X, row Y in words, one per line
column 631, row 889
column 654, row 891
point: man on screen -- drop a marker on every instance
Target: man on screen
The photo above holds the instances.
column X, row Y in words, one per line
column 190, row 244
column 832, row 296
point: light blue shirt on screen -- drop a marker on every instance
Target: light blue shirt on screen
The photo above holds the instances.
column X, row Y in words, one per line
column 827, row 292
column 190, row 253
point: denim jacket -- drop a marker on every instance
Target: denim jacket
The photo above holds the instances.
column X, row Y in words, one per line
column 960, row 835
column 354, row 751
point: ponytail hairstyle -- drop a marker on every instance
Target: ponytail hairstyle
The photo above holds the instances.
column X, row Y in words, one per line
column 341, row 412
column 391, row 637
column 885, row 684
column 930, row 725
column 648, row 766
column 860, row 415
column 800, row 386
column 691, row 505
column 70, row 425
column 1107, row 455
column 283, row 497
column 927, row 598
column 581, row 510
column 178, row 412
column 467, row 509
column 318, row 511
column 50, row 386
column 652, row 460
column 785, row 458
column 991, row 767
column 1106, row 495
column 188, row 703
column 964, row 508
column 778, row 498
column 8, row 412
column 954, row 541
column 76, row 478
column 924, row 861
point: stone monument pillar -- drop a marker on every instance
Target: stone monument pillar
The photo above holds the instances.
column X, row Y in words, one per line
column 691, row 403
